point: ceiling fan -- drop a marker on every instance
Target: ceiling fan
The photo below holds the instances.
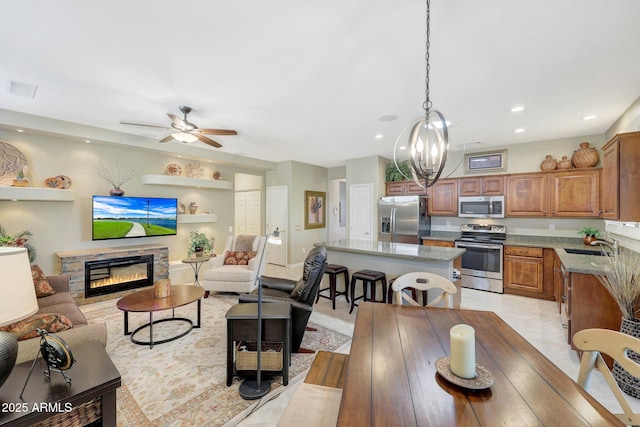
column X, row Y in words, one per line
column 185, row 131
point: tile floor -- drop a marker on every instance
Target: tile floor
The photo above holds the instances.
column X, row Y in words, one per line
column 536, row 320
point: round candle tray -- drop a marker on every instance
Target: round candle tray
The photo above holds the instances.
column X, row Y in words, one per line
column 482, row 380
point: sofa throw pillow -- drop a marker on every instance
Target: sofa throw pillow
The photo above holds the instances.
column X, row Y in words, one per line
column 239, row 257
column 27, row 328
column 42, row 285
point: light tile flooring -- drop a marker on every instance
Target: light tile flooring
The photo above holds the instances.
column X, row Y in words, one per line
column 536, row 320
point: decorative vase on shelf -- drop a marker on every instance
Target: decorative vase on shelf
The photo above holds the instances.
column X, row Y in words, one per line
column 549, row 163
column 564, row 163
column 588, row 239
column 116, row 192
column 585, row 157
column 193, row 208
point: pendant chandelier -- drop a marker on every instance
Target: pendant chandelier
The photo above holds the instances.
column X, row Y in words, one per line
column 429, row 136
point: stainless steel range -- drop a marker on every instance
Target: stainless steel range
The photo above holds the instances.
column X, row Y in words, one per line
column 482, row 262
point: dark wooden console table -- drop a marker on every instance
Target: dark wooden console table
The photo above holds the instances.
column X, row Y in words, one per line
column 94, row 380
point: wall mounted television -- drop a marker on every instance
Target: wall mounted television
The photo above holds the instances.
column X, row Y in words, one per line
column 129, row 217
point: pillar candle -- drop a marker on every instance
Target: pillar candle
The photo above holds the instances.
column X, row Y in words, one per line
column 463, row 351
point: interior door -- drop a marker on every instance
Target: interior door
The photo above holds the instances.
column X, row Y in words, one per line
column 277, row 208
column 361, row 212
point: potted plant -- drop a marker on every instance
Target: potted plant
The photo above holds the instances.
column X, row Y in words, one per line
column 622, row 280
column 116, row 175
column 392, row 173
column 590, row 234
column 200, row 244
column 18, row 240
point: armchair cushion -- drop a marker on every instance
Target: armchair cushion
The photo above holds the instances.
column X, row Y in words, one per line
column 239, row 257
column 40, row 282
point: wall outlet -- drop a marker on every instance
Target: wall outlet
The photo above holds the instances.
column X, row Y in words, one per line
column 304, row 250
column 230, row 229
column 552, row 226
column 448, row 223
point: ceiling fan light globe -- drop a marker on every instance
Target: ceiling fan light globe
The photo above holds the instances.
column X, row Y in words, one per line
column 184, row 137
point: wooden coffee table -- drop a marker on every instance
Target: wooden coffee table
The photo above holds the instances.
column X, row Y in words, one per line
column 144, row 301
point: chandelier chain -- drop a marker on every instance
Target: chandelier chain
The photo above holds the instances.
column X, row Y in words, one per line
column 427, row 103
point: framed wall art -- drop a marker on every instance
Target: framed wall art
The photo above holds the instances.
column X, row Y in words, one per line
column 487, row 161
column 315, row 209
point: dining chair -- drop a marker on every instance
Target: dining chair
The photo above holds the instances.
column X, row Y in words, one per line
column 615, row 344
column 423, row 281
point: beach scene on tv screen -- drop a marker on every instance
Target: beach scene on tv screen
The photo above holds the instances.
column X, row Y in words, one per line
column 122, row 217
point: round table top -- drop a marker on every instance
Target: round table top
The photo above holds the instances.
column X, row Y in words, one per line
column 198, row 259
column 144, row 300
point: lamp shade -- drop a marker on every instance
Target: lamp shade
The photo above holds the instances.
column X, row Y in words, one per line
column 17, row 293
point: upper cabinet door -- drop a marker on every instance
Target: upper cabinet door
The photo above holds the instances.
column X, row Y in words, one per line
column 492, row 185
column 576, row 193
column 527, row 195
column 443, row 198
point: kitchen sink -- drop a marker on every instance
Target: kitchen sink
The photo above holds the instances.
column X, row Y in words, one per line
column 582, row 252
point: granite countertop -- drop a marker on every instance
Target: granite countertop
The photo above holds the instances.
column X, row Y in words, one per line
column 394, row 250
column 574, row 263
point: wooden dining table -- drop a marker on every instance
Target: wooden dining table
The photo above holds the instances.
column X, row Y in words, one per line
column 391, row 377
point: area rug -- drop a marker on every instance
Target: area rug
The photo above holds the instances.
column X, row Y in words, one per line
column 183, row 382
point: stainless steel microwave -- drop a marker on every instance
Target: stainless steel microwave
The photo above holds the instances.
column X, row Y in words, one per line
column 481, row 207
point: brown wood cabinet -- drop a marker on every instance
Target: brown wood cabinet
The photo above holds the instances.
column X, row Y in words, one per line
column 443, row 198
column 527, row 195
column 404, row 188
column 574, row 193
column 528, row 271
column 492, row 185
column 443, row 243
column 558, row 283
column 621, row 177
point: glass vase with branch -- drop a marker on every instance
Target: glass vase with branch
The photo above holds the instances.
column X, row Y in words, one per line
column 117, row 175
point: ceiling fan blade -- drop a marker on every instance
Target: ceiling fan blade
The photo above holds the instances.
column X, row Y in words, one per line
column 207, row 140
column 167, row 139
column 216, row 131
column 178, row 123
column 142, row 124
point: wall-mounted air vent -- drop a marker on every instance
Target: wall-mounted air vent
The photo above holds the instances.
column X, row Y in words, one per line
column 22, row 89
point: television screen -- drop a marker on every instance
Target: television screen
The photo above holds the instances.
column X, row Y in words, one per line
column 125, row 217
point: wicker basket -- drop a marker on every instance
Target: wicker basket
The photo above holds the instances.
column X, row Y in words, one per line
column 585, row 157
column 82, row 415
column 270, row 356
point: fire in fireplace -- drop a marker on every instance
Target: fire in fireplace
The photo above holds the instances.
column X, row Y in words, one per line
column 117, row 274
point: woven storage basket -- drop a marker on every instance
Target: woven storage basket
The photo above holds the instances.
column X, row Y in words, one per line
column 81, row 415
column 270, row 356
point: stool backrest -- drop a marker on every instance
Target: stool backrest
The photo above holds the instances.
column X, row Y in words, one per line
column 423, row 281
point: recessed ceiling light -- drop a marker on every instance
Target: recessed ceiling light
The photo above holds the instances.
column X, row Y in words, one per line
column 591, row 117
column 379, row 135
column 517, row 108
column 404, row 147
column 387, row 118
column 88, row 141
column 519, row 130
column 20, row 130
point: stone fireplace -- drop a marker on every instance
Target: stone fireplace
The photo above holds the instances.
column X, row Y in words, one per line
column 132, row 267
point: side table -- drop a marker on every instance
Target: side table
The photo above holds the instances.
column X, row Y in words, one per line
column 195, row 264
column 94, row 380
column 242, row 326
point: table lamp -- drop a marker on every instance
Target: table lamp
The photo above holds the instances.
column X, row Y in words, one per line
column 17, row 301
column 250, row 389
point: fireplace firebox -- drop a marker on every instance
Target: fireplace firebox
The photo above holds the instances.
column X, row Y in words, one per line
column 117, row 274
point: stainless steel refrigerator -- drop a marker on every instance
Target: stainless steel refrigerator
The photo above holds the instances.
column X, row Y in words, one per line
column 403, row 219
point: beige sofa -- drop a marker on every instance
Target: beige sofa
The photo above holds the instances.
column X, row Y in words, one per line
column 62, row 303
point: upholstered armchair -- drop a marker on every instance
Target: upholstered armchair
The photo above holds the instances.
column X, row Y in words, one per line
column 232, row 270
column 300, row 294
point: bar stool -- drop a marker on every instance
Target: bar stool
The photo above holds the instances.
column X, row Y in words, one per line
column 414, row 293
column 368, row 277
column 333, row 270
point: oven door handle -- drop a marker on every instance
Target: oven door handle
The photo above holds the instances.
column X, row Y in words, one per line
column 475, row 245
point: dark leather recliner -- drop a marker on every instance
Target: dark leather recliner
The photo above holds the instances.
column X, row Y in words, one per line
column 301, row 294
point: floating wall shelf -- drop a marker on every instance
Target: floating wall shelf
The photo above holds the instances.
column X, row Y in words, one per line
column 197, row 218
column 181, row 181
column 37, row 194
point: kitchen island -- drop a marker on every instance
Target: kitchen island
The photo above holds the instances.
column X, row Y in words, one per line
column 395, row 259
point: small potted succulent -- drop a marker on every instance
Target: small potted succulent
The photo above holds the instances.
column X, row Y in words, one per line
column 590, row 234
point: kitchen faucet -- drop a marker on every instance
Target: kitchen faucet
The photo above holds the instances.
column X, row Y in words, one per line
column 613, row 245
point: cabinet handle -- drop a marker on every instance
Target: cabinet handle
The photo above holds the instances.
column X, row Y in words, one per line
column 544, row 212
column 553, row 212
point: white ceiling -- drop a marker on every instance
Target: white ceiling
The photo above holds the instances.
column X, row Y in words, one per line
column 308, row 81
